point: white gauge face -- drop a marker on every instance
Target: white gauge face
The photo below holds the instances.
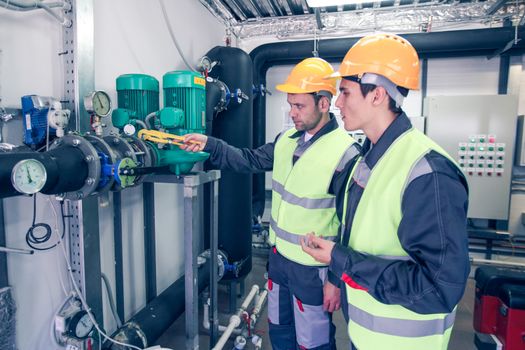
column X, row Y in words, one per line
column 28, row 176
column 99, row 103
column 83, row 327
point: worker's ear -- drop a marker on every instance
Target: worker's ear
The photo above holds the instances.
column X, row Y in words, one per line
column 379, row 95
column 324, row 104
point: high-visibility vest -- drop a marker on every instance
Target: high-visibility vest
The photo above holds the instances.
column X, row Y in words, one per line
column 300, row 199
column 373, row 325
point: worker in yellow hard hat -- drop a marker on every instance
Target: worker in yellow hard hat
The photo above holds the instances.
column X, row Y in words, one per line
column 308, row 162
column 403, row 253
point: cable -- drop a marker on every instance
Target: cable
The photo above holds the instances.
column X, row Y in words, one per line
column 111, row 300
column 34, row 237
column 83, row 300
column 170, row 30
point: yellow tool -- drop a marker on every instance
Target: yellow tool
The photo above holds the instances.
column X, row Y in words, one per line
column 163, row 137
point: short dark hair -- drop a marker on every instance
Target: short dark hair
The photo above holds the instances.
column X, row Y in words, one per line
column 392, row 105
column 317, row 97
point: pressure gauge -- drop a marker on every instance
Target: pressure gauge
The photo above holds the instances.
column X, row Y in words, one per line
column 98, row 102
column 28, row 176
column 80, row 325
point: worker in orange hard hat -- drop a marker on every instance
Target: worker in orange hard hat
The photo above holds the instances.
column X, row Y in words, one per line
column 403, row 253
column 308, row 162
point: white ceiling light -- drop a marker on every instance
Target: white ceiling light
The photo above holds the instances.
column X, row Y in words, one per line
column 324, row 3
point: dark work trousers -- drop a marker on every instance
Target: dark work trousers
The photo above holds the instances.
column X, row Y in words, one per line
column 296, row 317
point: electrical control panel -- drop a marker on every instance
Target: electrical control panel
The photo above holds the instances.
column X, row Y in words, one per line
column 479, row 132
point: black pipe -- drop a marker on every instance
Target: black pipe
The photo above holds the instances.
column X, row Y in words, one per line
column 119, row 260
column 148, row 191
column 159, row 314
column 213, row 97
column 462, row 43
column 4, row 280
column 66, row 170
column 234, row 126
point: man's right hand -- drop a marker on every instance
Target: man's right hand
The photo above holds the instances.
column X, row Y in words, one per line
column 194, row 142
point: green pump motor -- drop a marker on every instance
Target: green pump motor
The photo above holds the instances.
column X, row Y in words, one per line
column 184, row 90
column 138, row 96
column 184, row 112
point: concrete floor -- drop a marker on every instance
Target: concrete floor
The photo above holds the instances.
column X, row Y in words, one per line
column 174, row 337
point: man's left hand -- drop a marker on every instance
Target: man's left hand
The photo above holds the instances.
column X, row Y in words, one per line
column 331, row 297
column 320, row 249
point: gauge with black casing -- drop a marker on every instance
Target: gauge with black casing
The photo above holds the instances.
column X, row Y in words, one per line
column 98, row 103
column 28, row 176
column 80, row 325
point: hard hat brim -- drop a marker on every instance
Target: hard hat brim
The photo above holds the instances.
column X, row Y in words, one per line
column 291, row 89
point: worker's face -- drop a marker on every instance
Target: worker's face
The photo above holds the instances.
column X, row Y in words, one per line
column 354, row 107
column 304, row 112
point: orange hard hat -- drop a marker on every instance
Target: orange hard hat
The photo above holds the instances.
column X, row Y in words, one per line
column 388, row 55
column 309, row 76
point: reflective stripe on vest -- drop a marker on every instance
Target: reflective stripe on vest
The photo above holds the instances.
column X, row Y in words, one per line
column 291, row 237
column 308, row 203
column 300, row 199
column 401, row 327
column 384, row 186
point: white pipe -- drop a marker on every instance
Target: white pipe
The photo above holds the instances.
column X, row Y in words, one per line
column 258, row 306
column 206, row 321
column 476, row 261
column 235, row 320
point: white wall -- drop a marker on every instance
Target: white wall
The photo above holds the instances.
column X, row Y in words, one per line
column 130, row 37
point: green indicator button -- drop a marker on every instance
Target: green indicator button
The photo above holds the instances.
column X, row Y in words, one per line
column 472, row 148
column 462, row 148
column 501, row 149
column 489, row 165
column 491, row 148
column 481, row 148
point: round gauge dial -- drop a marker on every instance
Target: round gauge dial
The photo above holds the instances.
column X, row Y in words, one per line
column 28, row 176
column 80, row 325
column 99, row 103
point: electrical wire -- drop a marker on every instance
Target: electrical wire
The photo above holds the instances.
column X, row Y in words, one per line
column 170, row 30
column 34, row 238
column 83, row 300
column 109, row 292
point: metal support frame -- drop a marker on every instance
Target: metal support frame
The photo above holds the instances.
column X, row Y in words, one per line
column 214, row 237
column 150, row 256
column 78, row 56
column 119, row 259
column 85, row 251
column 192, row 230
column 4, row 280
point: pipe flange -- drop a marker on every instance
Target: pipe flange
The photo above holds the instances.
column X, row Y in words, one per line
column 103, row 147
column 90, row 157
column 144, row 155
column 123, row 149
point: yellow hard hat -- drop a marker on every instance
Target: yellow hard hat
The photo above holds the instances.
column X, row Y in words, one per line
column 309, row 76
column 388, row 55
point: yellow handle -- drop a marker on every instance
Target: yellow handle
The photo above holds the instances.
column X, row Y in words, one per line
column 162, row 137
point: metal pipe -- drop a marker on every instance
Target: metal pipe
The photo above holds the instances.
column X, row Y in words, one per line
column 22, row 6
column 16, row 250
column 476, row 261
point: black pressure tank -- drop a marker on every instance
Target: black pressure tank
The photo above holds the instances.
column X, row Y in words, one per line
column 234, row 126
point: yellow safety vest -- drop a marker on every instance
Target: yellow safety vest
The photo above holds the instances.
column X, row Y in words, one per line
column 300, row 199
column 373, row 325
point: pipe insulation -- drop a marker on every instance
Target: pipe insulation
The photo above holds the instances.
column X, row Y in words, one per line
column 156, row 317
column 7, row 320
